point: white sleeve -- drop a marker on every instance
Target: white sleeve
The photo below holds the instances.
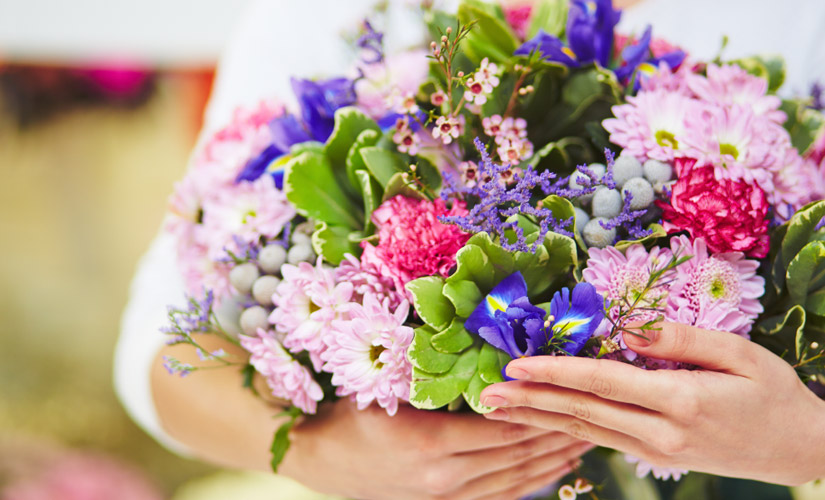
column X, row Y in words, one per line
column 274, row 40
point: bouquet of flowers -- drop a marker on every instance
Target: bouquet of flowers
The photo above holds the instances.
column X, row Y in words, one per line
column 531, row 184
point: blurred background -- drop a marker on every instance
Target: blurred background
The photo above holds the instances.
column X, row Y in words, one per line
column 100, row 104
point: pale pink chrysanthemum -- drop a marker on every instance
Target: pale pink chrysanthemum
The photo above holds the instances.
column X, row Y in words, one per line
column 730, row 85
column 728, row 280
column 367, row 354
column 643, row 468
column 664, row 78
column 306, row 302
column 200, row 271
column 286, row 378
column 247, row 210
column 367, row 279
column 651, row 124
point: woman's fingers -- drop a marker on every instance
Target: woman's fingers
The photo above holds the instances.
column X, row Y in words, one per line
column 720, row 351
column 467, row 433
column 579, row 429
column 605, row 378
column 622, row 417
column 558, row 462
column 531, row 485
column 480, row 463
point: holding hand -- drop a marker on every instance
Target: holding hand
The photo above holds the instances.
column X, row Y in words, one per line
column 744, row 414
column 425, row 455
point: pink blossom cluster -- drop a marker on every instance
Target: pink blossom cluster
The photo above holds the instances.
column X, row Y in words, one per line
column 510, row 135
column 726, row 119
column 209, row 212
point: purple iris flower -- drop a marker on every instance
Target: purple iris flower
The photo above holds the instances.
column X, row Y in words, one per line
column 638, row 54
column 508, row 321
column 550, row 48
column 590, row 27
column 575, row 319
column 372, row 44
column 319, row 101
column 286, row 131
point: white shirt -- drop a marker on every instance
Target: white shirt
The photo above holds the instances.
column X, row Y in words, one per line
column 276, row 39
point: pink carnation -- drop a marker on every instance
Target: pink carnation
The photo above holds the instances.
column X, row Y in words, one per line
column 718, row 291
column 412, row 242
column 729, row 215
column 287, row 378
column 306, row 302
column 367, row 354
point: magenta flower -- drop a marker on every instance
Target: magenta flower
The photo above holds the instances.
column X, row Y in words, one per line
column 367, row 354
column 286, row 378
column 412, row 242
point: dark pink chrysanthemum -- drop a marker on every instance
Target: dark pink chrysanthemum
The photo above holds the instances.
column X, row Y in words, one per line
column 412, row 242
column 732, row 216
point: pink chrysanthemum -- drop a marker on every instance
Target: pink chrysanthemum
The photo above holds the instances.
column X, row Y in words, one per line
column 287, row 378
column 651, row 125
column 718, row 291
column 367, row 354
column 200, row 271
column 643, row 468
column 664, row 78
column 367, row 279
column 247, row 210
column 739, row 144
column 412, row 242
column 730, row 85
column 306, row 302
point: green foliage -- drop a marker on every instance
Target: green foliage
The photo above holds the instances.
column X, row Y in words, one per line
column 354, row 161
column 550, row 16
column 311, row 185
column 281, row 442
column 490, row 37
column 804, row 124
column 793, row 324
column 333, row 242
column 444, row 306
column 658, row 232
column 349, row 124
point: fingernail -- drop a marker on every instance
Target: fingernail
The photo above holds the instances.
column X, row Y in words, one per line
column 500, row 414
column 517, row 373
column 494, row 401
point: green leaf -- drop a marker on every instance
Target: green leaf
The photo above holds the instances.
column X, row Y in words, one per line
column 464, row 295
column 429, row 391
column 281, row 442
column 658, row 232
column 804, row 124
column 806, row 278
column 561, row 207
column 562, row 256
column 428, row 173
column 491, row 362
column 372, row 193
column 581, row 87
column 354, row 161
column 800, row 230
column 500, row 260
column 473, row 265
column 430, row 303
column 424, row 357
column 311, row 185
column 490, row 36
column 382, row 164
column 333, row 242
column 472, row 394
column 398, row 185
column 548, row 15
column 770, row 67
column 454, row 339
column 349, row 123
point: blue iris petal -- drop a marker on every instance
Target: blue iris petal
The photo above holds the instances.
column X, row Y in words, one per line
column 550, row 48
column 577, row 318
column 590, row 28
column 258, row 165
column 319, row 101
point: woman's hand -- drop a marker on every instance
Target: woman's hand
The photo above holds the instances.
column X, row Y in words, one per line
column 745, row 414
column 425, row 455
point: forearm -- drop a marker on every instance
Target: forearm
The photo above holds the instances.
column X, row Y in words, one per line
column 210, row 411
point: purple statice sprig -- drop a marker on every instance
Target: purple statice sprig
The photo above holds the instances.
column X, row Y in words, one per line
column 245, row 251
column 817, row 96
column 498, row 204
column 371, row 43
column 628, row 219
column 185, row 323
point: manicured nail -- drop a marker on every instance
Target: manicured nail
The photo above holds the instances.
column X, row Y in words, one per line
column 517, row 373
column 494, row 401
column 500, row 414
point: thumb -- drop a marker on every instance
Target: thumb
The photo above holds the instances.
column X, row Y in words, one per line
column 689, row 344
